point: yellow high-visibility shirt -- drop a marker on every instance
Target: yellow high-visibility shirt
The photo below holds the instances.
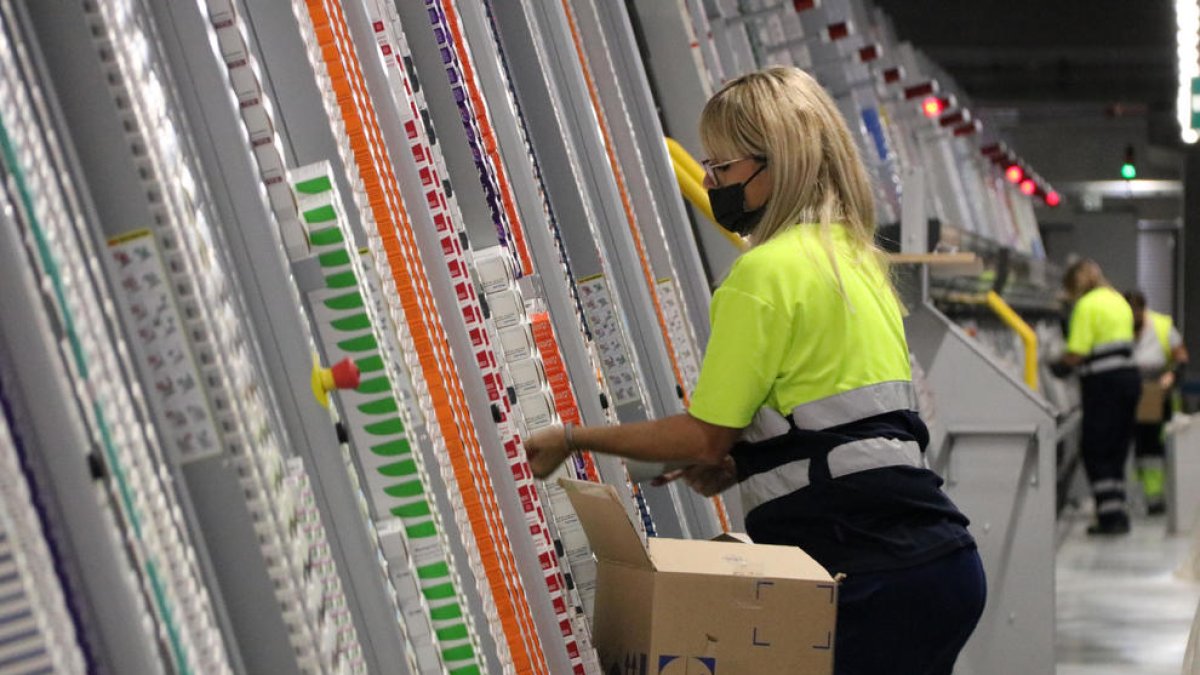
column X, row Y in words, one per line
column 783, row 335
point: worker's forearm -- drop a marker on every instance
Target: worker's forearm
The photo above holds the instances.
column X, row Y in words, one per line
column 676, row 439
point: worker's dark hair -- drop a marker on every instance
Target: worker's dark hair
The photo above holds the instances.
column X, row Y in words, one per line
column 1136, row 299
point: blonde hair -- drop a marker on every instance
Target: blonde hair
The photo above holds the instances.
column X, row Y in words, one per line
column 1083, row 276
column 816, row 171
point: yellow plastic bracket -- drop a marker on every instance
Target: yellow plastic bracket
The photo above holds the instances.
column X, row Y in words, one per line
column 1023, row 331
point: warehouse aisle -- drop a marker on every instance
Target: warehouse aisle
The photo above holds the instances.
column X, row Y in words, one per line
column 1121, row 609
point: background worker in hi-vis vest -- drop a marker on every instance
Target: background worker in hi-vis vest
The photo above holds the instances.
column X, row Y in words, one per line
column 1100, row 346
column 1160, row 356
column 805, row 399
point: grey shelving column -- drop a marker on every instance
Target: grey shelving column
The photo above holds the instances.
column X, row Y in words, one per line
column 550, row 87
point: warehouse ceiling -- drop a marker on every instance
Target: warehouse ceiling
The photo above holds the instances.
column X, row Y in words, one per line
column 1034, row 54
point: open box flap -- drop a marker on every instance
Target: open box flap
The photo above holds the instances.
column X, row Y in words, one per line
column 609, row 531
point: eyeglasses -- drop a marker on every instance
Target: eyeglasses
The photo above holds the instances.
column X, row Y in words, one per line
column 710, row 166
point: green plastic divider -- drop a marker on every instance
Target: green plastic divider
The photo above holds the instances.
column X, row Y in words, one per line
column 334, row 258
column 359, row 344
column 383, row 406
column 394, row 448
column 458, row 632
column 386, row 427
column 314, row 186
column 438, row 569
column 412, row 510
column 421, row 530
column 446, row 612
column 439, row 592
column 371, row 364
column 412, row 488
column 461, row 653
column 467, row 670
column 341, row 280
column 354, row 322
column 375, row 385
column 321, row 214
column 326, row 237
column 347, row 302
column 405, row 467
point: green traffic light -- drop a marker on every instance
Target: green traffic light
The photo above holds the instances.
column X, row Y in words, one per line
column 1128, row 171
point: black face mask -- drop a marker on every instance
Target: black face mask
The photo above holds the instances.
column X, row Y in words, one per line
column 729, row 207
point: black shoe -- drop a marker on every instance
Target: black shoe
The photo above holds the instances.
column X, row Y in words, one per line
column 1156, row 509
column 1110, row 528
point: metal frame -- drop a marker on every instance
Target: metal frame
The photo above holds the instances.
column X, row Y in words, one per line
column 996, row 450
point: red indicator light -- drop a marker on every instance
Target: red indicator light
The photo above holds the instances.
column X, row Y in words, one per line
column 1014, row 174
column 802, row 5
column 1028, row 187
column 1052, row 198
column 838, row 31
column 868, row 54
column 892, row 75
column 932, row 106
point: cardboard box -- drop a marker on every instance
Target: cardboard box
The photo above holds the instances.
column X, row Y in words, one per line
column 679, row 607
column 1150, row 405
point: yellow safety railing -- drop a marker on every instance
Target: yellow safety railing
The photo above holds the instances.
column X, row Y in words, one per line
column 690, row 176
column 1023, row 331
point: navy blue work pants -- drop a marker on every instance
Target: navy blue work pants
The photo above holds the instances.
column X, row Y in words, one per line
column 911, row 621
column 1110, row 402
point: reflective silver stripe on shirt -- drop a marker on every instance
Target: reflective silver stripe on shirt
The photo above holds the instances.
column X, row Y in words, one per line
column 873, row 453
column 1108, row 356
column 1107, row 363
column 766, row 424
column 779, row 482
column 856, row 404
column 845, row 459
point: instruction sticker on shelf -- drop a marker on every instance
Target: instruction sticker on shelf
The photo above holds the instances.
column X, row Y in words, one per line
column 172, row 380
column 610, row 340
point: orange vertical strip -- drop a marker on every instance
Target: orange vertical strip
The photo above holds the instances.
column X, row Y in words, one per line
column 560, row 382
column 505, row 559
column 430, row 341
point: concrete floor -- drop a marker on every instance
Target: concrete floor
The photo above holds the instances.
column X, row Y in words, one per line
column 1122, row 609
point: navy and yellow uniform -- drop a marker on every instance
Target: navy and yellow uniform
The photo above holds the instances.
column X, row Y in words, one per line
column 1101, row 331
column 819, row 362
column 1153, row 353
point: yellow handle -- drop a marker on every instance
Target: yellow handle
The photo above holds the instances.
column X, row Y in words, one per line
column 684, row 160
column 1023, row 331
column 690, row 176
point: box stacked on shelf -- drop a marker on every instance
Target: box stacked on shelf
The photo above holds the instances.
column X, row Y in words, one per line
column 210, row 313
column 37, row 631
column 153, row 526
column 407, row 290
column 397, row 487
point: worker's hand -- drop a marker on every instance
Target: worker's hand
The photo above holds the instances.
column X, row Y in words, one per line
column 668, row 477
column 1060, row 369
column 711, row 480
column 546, row 450
column 1167, row 380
